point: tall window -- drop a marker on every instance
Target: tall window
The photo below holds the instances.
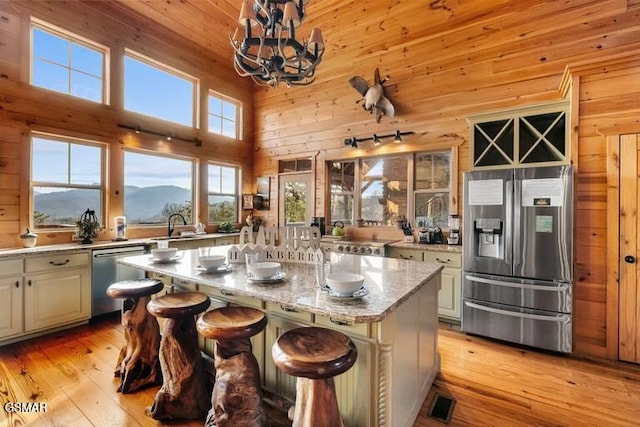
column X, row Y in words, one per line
column 224, row 116
column 342, row 186
column 157, row 187
column 383, row 186
column 432, row 188
column 156, row 90
column 224, row 193
column 66, row 180
column 67, row 63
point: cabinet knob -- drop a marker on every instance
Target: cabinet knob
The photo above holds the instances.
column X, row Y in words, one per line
column 17, row 284
column 29, row 282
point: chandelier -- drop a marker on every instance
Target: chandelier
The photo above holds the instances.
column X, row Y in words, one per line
column 273, row 55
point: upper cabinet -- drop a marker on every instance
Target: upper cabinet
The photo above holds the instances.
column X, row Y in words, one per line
column 532, row 136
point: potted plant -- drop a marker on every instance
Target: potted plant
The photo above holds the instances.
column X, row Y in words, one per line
column 88, row 226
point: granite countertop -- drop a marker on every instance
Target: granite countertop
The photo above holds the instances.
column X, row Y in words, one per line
column 389, row 281
column 426, row 247
column 104, row 244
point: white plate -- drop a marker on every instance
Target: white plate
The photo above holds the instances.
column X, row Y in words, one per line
column 273, row 279
column 221, row 269
column 357, row 294
column 174, row 258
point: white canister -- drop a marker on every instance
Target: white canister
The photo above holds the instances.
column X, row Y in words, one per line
column 120, row 228
column 28, row 239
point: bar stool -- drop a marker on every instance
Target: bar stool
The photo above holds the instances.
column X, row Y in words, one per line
column 315, row 355
column 138, row 365
column 183, row 394
column 236, row 399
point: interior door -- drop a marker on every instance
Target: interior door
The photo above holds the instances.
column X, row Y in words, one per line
column 296, row 199
column 629, row 294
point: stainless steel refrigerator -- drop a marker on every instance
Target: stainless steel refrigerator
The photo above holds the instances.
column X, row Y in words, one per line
column 518, row 255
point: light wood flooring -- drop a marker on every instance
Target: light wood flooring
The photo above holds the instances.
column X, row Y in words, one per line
column 492, row 383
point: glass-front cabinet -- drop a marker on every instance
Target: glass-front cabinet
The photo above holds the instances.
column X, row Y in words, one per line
column 379, row 191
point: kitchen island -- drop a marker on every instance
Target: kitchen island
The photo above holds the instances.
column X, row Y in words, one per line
column 394, row 326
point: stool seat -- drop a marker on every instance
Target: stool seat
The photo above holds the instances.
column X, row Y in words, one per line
column 135, row 288
column 230, row 323
column 314, row 352
column 179, row 304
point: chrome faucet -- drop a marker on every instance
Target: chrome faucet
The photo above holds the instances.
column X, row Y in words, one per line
column 170, row 226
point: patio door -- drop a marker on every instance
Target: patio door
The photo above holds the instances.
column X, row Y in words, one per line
column 296, row 199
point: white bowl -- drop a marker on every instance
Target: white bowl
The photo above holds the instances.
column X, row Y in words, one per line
column 212, row 261
column 164, row 254
column 345, row 283
column 264, row 269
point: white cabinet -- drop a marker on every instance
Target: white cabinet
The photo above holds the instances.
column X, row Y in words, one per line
column 11, row 296
column 57, row 290
column 449, row 297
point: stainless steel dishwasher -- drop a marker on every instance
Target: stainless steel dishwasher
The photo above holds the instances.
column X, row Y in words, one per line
column 106, row 270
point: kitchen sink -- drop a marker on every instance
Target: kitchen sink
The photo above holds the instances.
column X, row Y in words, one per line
column 188, row 236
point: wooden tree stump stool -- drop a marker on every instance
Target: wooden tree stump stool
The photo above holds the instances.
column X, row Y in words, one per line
column 236, row 399
column 138, row 364
column 315, row 356
column 183, row 394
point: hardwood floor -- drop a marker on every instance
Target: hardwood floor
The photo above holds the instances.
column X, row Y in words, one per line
column 492, row 383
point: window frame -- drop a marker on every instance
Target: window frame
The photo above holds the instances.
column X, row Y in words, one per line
column 239, row 111
column 104, row 187
column 161, row 66
column 78, row 40
column 194, row 184
column 238, row 189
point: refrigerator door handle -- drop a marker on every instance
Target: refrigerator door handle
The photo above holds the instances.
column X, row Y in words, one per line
column 562, row 287
column 509, row 223
column 560, row 318
column 517, row 218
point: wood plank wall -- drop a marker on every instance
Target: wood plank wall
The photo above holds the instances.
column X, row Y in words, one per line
column 447, row 60
column 24, row 108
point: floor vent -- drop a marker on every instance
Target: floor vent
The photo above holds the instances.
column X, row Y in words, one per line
column 442, row 408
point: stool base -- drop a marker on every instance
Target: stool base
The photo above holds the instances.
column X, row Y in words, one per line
column 138, row 365
column 316, row 403
column 236, row 399
column 183, row 394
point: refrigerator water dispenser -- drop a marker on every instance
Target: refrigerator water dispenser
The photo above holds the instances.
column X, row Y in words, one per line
column 490, row 242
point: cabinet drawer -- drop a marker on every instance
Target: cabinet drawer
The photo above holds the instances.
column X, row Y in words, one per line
column 231, row 297
column 447, row 259
column 350, row 329
column 11, row 267
column 290, row 313
column 56, row 261
column 222, row 241
column 413, row 254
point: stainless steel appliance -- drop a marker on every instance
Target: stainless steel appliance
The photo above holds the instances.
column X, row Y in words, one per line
column 106, row 270
column 360, row 247
column 518, row 255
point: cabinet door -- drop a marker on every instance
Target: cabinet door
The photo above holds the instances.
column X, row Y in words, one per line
column 10, row 306
column 56, row 298
column 449, row 295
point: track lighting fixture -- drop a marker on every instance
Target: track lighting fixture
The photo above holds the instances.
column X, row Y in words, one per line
column 168, row 136
column 377, row 139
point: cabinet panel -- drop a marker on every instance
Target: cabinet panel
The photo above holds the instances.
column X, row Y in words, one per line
column 11, row 267
column 11, row 306
column 55, row 298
